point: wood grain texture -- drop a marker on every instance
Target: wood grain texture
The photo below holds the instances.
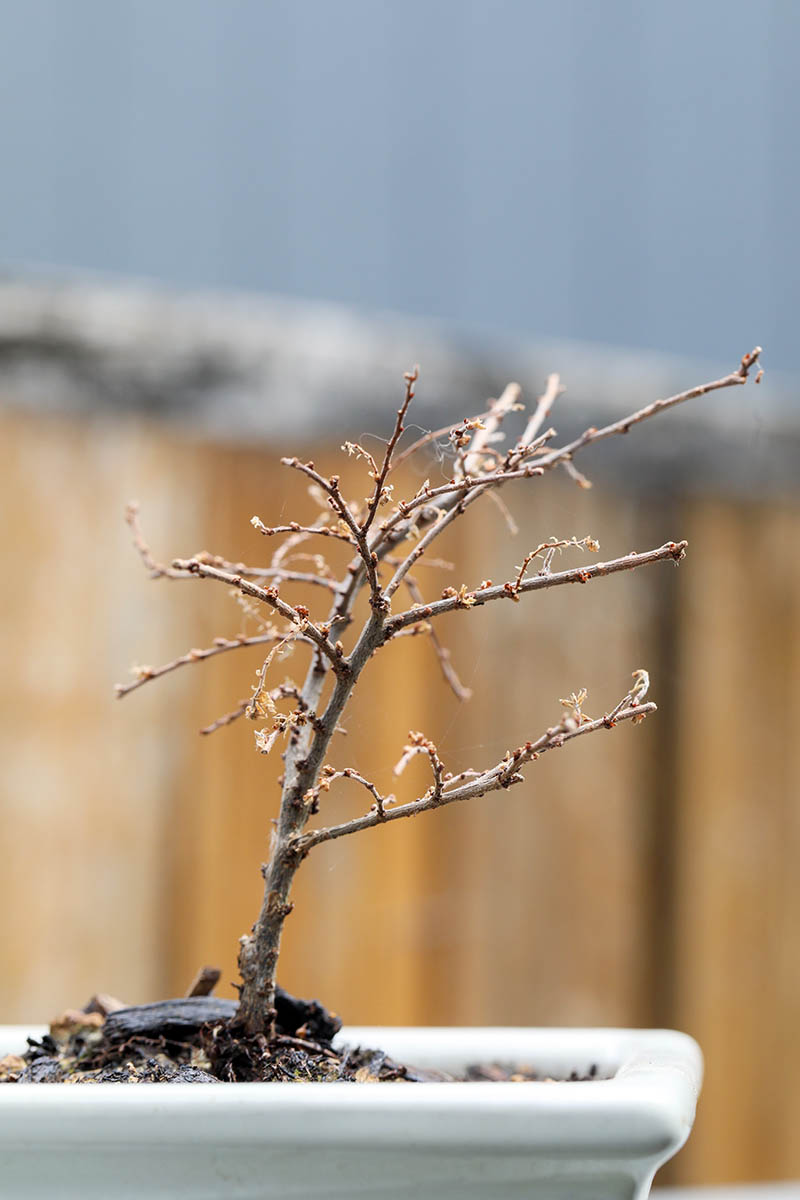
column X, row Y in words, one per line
column 738, row 939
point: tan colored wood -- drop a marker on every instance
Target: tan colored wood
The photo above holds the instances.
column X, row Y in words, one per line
column 85, row 783
column 739, row 840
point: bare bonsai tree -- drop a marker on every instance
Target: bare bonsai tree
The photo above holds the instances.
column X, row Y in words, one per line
column 386, row 537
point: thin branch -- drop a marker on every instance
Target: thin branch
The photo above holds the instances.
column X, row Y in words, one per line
column 157, row 570
column 639, row 689
column 261, row 702
column 281, row 574
column 374, row 503
column 221, row 646
column 444, row 518
column 544, row 404
column 160, row 570
column 510, row 401
column 499, row 502
column 592, row 435
column 504, row 774
column 577, row 475
column 293, row 527
column 297, row 615
column 442, row 653
column 674, row 551
column 227, row 718
column 418, row 743
column 548, row 549
column 329, row 775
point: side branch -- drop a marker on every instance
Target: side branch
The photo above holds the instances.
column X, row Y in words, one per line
column 221, row 646
column 673, row 551
column 592, row 435
column 442, row 653
column 504, row 775
column 157, row 570
column 293, row 527
column 329, row 775
column 160, row 570
column 298, row 616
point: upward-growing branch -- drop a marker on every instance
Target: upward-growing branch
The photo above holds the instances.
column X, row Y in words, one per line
column 400, row 541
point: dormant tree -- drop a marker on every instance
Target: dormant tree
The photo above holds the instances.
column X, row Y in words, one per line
column 385, row 538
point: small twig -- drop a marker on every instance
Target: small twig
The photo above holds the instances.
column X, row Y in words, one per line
column 421, row 629
column 507, row 403
column 442, row 653
column 576, row 475
column 282, row 574
column 227, row 718
column 592, row 435
column 640, row 688
column 374, row 503
column 500, row 503
column 548, row 549
column 160, row 570
column 221, row 646
column 329, row 775
column 544, row 404
column 261, row 702
column 445, row 517
column 157, row 570
column 418, row 743
column 293, row 527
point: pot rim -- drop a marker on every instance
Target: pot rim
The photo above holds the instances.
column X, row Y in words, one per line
column 645, row 1107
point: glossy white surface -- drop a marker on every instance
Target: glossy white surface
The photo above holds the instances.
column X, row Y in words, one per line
column 552, row 1141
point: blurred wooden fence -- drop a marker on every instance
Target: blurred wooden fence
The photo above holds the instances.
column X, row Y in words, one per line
column 646, row 876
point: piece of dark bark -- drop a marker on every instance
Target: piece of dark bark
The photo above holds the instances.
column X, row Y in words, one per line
column 186, row 1014
column 42, row 1070
column 308, row 1016
column 149, row 1070
column 167, row 1017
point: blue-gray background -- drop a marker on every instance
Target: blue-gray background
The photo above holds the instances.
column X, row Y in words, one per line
column 618, row 171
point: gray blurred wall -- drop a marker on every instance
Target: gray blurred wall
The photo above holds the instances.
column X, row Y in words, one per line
column 607, row 170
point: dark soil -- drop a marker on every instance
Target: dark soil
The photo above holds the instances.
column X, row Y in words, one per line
column 194, row 1040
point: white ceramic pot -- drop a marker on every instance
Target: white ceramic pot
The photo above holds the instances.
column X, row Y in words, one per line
column 602, row 1139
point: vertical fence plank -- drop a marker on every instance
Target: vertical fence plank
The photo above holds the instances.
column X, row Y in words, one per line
column 737, row 935
column 85, row 781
